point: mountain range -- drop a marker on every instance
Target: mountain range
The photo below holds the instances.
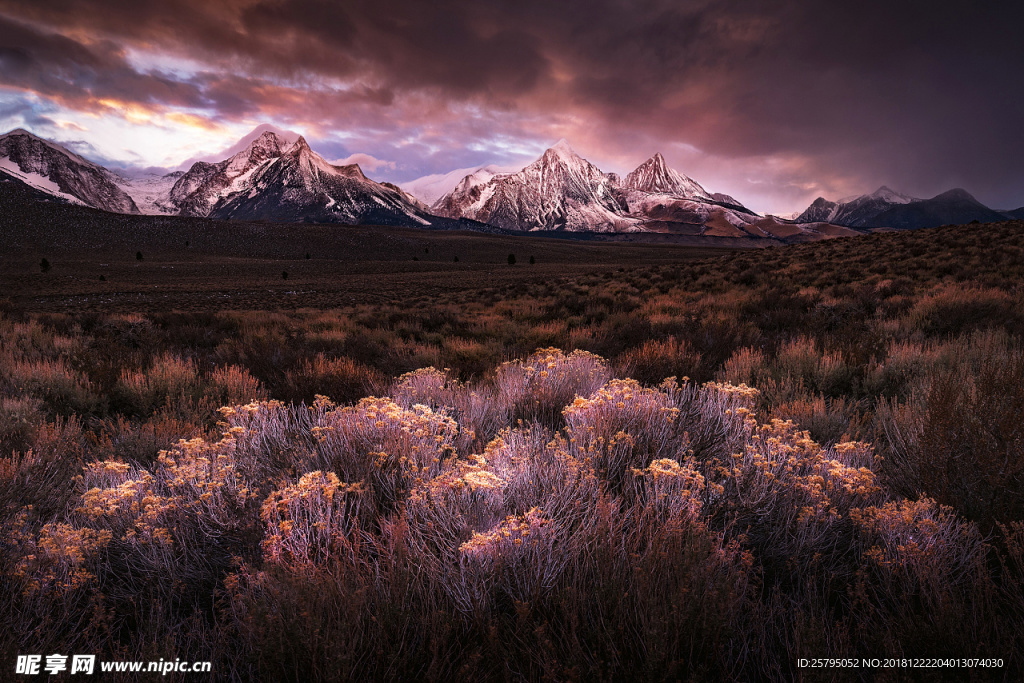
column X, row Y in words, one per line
column 562, row 191
column 274, row 175
column 885, row 208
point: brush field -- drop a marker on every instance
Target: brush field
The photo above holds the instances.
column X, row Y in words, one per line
column 621, row 462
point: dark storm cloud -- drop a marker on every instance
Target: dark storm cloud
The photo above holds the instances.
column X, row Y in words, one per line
column 79, row 75
column 840, row 95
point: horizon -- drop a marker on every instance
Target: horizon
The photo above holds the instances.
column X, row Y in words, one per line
column 768, row 103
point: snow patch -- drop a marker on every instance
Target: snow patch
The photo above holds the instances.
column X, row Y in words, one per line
column 37, row 181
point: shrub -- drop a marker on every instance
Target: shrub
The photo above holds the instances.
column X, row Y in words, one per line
column 656, row 360
column 957, row 310
column 960, row 442
column 62, row 390
column 307, row 522
column 622, row 426
column 342, row 379
column 384, row 445
column 169, row 382
column 540, row 386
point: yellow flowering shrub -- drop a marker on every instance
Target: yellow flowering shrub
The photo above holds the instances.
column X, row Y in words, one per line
column 60, row 558
column 622, row 426
column 309, row 520
column 384, row 445
column 538, row 387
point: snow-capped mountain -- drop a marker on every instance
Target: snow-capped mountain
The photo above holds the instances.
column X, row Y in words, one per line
column 53, row 169
column 885, row 208
column 198, row 191
column 857, row 211
column 563, row 191
column 559, row 191
column 655, row 176
column 300, row 185
column 430, row 188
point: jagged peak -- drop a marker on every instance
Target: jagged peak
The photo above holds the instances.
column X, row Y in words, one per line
column 20, row 131
column 352, row 171
column 269, row 142
column 655, row 175
column 887, row 194
column 299, row 146
column 656, row 163
column 301, row 153
column 560, row 150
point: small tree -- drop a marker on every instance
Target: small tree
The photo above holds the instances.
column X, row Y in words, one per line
column 532, row 260
column 138, row 256
column 284, row 274
column 511, row 259
column 103, row 278
column 456, row 258
column 308, row 256
column 44, row 266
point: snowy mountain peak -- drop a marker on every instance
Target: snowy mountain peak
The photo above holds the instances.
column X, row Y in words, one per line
column 51, row 168
column 559, row 191
column 270, row 141
column 22, row 133
column 268, row 145
column 310, row 164
column 282, row 179
column 300, row 146
column 654, row 175
column 887, row 208
column 887, row 194
column 561, row 151
column 285, row 137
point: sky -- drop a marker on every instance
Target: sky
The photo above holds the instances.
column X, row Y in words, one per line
column 775, row 102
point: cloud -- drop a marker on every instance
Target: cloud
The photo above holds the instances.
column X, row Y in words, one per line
column 366, row 162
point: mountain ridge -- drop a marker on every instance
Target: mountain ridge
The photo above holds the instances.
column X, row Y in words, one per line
column 885, row 208
column 55, row 169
